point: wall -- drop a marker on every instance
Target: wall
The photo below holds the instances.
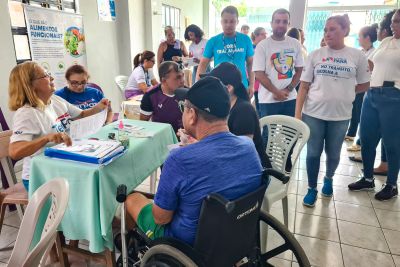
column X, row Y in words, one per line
column 7, row 58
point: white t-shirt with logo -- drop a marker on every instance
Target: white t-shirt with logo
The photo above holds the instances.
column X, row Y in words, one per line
column 198, row 49
column 386, row 59
column 333, row 75
column 139, row 76
column 278, row 59
column 30, row 123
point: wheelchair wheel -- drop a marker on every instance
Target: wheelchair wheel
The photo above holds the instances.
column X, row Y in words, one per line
column 291, row 242
column 163, row 255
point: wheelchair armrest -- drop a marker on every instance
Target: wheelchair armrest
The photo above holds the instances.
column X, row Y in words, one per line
column 277, row 174
column 229, row 205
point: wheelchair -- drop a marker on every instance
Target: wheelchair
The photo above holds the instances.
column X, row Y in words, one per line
column 228, row 234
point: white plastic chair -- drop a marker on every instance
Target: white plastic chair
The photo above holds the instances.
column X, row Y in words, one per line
column 283, row 133
column 121, row 82
column 22, row 256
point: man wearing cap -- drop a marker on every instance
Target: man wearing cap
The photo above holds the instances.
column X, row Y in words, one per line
column 214, row 164
column 243, row 119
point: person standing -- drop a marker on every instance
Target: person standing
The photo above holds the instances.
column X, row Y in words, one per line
column 332, row 77
column 278, row 63
column 230, row 46
column 194, row 34
column 380, row 115
column 171, row 49
column 245, row 29
column 366, row 37
column 257, row 36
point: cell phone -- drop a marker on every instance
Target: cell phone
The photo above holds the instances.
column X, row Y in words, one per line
column 388, row 84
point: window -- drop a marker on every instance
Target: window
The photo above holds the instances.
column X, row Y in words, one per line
column 171, row 16
column 18, row 26
column 361, row 13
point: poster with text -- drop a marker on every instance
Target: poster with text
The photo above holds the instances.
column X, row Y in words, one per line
column 56, row 39
column 106, row 10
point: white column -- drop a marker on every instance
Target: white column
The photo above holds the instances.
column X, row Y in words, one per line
column 297, row 9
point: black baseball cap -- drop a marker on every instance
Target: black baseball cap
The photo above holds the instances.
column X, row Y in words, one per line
column 208, row 94
column 228, row 73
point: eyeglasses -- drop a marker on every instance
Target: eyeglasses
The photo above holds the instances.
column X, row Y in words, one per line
column 76, row 83
column 46, row 75
column 181, row 105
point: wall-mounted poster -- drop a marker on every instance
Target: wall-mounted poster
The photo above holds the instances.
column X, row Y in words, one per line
column 106, row 10
column 56, row 39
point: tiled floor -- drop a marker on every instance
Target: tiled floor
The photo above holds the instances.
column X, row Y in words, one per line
column 350, row 229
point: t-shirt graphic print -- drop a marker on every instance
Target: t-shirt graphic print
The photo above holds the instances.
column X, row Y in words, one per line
column 283, row 63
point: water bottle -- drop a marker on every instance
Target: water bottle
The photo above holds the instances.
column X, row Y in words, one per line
column 123, row 136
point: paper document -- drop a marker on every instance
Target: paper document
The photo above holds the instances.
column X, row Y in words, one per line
column 86, row 126
column 189, row 62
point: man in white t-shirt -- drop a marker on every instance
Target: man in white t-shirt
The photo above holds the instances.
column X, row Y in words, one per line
column 278, row 63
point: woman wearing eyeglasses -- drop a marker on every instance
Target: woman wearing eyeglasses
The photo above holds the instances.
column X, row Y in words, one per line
column 41, row 118
column 142, row 77
column 78, row 93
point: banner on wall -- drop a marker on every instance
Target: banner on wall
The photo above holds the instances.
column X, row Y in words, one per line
column 56, row 40
column 106, row 10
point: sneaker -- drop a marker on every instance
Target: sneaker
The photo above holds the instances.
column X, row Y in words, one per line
column 354, row 148
column 327, row 189
column 361, row 185
column 387, row 192
column 310, row 198
column 349, row 138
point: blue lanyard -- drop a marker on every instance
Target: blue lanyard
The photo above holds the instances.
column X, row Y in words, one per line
column 229, row 47
column 146, row 76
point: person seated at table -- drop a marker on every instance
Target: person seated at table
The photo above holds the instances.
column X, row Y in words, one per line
column 243, row 118
column 41, row 118
column 160, row 104
column 214, row 164
column 78, row 93
column 142, row 77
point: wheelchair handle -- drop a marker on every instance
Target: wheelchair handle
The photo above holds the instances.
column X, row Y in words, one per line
column 121, row 193
column 277, row 174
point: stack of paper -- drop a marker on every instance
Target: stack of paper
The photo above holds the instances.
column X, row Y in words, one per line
column 90, row 151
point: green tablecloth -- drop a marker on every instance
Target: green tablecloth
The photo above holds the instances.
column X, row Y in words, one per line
column 92, row 203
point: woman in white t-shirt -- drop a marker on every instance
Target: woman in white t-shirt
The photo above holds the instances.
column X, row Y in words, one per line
column 142, row 77
column 380, row 115
column 194, row 34
column 331, row 78
column 41, row 118
column 366, row 37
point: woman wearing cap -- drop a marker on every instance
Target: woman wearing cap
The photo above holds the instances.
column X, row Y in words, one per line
column 243, row 119
column 41, row 118
column 142, row 77
column 172, row 49
column 332, row 77
column 380, row 114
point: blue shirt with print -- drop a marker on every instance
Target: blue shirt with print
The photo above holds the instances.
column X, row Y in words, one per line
column 234, row 49
column 192, row 172
column 85, row 100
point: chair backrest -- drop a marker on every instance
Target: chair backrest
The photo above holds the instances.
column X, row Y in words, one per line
column 3, row 122
column 284, row 132
column 121, row 81
column 227, row 230
column 95, row 86
column 58, row 190
column 5, row 162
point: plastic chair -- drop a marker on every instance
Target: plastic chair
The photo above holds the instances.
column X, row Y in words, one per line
column 58, row 190
column 284, row 132
column 15, row 193
column 95, row 86
column 121, row 82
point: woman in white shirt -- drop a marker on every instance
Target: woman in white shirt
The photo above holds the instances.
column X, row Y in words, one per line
column 331, row 78
column 194, row 34
column 41, row 118
column 142, row 77
column 366, row 37
column 380, row 114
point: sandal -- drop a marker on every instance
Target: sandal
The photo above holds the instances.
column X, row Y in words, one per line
column 354, row 148
column 355, row 159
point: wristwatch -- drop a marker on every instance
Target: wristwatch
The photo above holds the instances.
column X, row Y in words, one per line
column 290, row 87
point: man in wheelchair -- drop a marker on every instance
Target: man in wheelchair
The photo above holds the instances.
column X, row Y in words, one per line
column 219, row 162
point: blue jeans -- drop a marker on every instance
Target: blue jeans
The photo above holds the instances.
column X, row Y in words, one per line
column 380, row 116
column 355, row 114
column 323, row 133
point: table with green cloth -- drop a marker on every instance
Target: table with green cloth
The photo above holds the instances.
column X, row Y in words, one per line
column 92, row 203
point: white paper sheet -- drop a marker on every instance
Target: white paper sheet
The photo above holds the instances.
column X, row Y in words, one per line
column 86, row 126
